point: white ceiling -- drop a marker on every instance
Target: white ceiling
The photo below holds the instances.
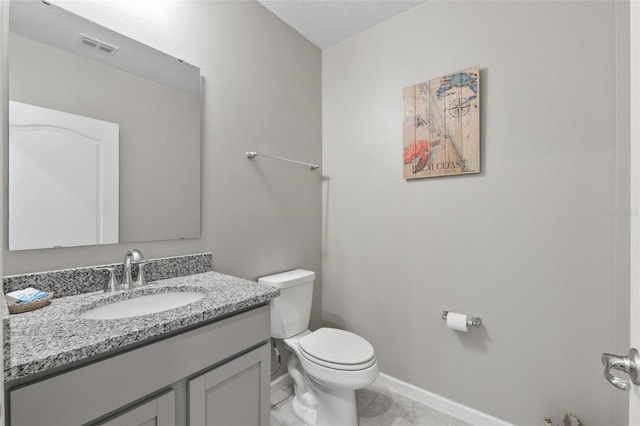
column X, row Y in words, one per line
column 326, row 22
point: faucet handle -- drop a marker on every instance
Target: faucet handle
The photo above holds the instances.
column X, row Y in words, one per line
column 112, row 284
column 141, row 280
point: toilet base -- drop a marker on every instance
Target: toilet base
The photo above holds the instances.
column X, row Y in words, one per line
column 335, row 407
column 332, row 407
column 317, row 405
column 305, row 414
column 304, row 398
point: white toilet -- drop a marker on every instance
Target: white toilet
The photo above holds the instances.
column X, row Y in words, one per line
column 327, row 365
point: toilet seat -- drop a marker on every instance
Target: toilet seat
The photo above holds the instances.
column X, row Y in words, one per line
column 337, row 349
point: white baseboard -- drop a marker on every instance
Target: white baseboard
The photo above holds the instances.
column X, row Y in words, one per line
column 437, row 402
column 281, row 383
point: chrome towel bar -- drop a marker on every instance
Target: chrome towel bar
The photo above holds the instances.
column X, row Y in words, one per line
column 253, row 154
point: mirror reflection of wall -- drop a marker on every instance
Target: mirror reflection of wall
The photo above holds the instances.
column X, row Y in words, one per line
column 154, row 99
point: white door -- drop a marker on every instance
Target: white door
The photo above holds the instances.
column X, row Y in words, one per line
column 63, row 179
column 630, row 363
column 634, row 394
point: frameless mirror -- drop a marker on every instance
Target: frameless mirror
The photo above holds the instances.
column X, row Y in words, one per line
column 104, row 135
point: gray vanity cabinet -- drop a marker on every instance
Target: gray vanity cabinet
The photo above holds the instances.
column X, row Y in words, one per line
column 231, row 394
column 159, row 411
column 225, row 363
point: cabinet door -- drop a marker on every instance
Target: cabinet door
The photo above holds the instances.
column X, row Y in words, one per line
column 233, row 394
column 159, row 411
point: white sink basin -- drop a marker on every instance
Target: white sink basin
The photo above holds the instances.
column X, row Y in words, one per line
column 142, row 305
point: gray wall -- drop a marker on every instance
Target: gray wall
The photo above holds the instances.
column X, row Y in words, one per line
column 536, row 244
column 261, row 92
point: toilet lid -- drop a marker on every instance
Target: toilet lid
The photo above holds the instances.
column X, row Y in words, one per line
column 337, row 347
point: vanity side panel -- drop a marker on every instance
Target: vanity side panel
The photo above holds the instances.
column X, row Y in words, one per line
column 89, row 392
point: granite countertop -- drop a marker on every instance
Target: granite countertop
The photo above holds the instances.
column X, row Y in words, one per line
column 55, row 335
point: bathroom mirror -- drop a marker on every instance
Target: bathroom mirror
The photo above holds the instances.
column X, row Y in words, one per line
column 69, row 66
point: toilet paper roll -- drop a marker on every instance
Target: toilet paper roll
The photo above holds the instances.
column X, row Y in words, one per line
column 457, row 322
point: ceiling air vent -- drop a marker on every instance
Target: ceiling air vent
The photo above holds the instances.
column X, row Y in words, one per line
column 98, row 44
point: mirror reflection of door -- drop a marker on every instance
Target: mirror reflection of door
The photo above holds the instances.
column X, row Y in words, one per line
column 63, row 179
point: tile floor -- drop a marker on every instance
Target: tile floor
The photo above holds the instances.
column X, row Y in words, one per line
column 376, row 407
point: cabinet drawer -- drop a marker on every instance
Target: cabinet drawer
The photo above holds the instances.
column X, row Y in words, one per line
column 88, row 392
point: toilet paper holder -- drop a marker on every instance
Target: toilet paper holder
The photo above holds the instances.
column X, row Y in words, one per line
column 475, row 321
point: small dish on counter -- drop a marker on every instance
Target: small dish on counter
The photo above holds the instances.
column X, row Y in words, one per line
column 18, row 308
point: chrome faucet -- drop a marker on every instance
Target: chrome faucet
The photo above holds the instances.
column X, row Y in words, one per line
column 132, row 256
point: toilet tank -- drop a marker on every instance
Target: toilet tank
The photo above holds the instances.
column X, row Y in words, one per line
column 290, row 312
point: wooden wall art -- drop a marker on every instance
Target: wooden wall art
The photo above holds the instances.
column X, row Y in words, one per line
column 441, row 132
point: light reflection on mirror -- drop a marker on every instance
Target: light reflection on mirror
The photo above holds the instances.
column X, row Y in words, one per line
column 64, row 63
